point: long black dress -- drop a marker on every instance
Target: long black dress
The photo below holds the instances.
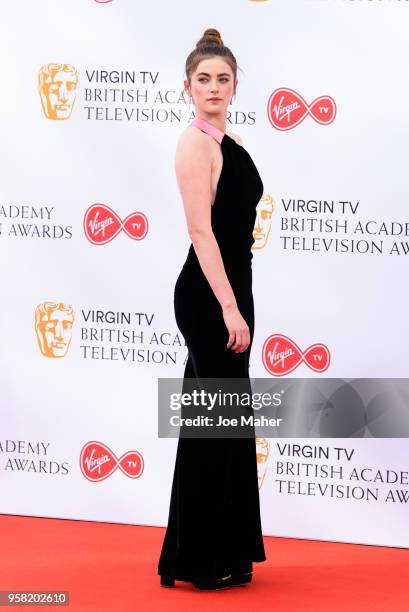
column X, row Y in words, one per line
column 214, row 525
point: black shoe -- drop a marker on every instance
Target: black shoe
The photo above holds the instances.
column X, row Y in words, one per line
column 167, row 581
column 240, row 579
column 212, row 584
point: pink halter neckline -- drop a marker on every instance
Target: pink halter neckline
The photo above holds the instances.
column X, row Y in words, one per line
column 209, row 128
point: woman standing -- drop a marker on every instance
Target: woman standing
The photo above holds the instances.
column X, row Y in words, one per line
column 214, row 528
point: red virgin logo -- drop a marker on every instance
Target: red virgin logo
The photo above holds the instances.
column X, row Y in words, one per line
column 286, row 109
column 98, row 462
column 281, row 355
column 102, row 224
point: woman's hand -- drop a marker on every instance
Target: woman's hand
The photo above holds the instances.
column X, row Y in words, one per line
column 239, row 333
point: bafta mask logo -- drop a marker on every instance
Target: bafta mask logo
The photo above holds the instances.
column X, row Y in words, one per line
column 263, row 450
column 57, row 86
column 53, row 325
column 264, row 214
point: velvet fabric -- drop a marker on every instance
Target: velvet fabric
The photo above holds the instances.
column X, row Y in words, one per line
column 214, row 525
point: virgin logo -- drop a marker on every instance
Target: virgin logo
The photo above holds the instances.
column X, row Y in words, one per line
column 97, row 462
column 286, row 109
column 281, row 355
column 102, row 224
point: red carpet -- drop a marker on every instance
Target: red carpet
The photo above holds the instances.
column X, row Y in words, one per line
column 113, row 567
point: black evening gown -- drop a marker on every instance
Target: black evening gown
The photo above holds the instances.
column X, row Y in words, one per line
column 214, row 525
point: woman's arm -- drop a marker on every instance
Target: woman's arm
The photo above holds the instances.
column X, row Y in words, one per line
column 193, row 165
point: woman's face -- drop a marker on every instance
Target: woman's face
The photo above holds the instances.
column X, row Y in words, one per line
column 213, row 78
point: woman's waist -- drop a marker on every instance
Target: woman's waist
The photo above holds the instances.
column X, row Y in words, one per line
column 192, row 278
column 236, row 255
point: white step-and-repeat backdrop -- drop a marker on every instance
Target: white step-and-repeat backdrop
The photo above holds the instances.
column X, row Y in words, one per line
column 93, row 236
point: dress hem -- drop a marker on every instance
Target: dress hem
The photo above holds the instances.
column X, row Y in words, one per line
column 188, row 577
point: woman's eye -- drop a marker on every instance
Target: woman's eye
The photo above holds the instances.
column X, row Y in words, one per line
column 204, row 79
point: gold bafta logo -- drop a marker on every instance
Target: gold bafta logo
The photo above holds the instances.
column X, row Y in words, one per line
column 57, row 86
column 263, row 450
column 262, row 225
column 53, row 325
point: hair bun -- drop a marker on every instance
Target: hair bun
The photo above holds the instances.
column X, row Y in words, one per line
column 211, row 36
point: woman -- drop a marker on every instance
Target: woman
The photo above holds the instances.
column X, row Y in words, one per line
column 214, row 529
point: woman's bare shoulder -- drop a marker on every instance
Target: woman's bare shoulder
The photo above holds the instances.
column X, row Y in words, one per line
column 193, row 154
column 192, row 141
column 192, row 136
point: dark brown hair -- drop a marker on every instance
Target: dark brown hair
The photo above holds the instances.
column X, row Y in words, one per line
column 209, row 45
